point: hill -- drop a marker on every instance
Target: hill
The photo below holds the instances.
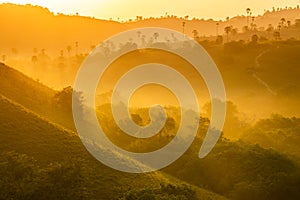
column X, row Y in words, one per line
column 41, row 145
column 43, row 29
column 50, row 160
column 44, row 151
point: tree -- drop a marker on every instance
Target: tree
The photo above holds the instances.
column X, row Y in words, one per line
column 270, row 29
column 253, row 26
column 282, row 20
column 245, row 29
column 155, row 36
column 248, row 10
column 183, row 26
column 279, row 27
column 63, row 99
column 234, row 32
column 195, row 34
column 219, row 39
column 254, row 39
column 227, row 30
column 34, row 59
column 69, row 48
column 217, row 28
column 276, row 35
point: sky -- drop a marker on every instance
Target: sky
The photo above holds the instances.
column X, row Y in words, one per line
column 129, row 9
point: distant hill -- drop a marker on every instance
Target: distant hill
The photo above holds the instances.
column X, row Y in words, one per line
column 26, row 27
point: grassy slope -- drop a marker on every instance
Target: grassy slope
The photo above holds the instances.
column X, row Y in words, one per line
column 25, row 132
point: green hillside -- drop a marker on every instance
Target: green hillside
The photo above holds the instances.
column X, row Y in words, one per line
column 42, row 159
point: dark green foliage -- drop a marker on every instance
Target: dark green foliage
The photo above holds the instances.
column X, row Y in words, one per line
column 166, row 191
column 241, row 171
column 23, row 178
column 278, row 132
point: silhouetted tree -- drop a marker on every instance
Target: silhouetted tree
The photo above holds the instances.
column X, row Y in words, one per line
column 270, row 29
column 155, row 36
column 245, row 29
column 254, row 39
column 276, row 35
column 219, row 39
column 69, row 48
column 282, row 21
column 248, row 10
column 227, row 30
column 253, row 26
column 195, row 34
column 279, row 27
column 34, row 59
column 217, row 28
column 183, row 26
column 234, row 32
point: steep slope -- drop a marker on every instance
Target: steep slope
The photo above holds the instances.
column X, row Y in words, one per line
column 25, row 132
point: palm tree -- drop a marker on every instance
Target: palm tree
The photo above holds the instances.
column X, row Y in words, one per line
column 227, row 19
column 252, row 23
column 217, row 24
column 227, row 30
column 289, row 23
column 248, row 10
column 282, row 21
column 270, row 29
column 183, row 25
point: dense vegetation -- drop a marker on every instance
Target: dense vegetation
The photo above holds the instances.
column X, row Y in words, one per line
column 39, row 155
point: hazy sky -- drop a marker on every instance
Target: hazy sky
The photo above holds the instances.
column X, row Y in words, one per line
column 125, row 9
